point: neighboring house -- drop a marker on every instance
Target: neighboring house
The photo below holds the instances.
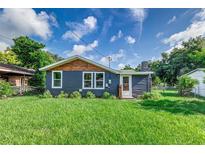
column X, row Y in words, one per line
column 17, row 76
column 198, row 74
column 80, row 74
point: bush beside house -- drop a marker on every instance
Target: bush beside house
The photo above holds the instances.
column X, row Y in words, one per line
column 5, row 89
column 185, row 85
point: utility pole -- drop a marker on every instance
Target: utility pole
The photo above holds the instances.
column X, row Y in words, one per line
column 109, row 60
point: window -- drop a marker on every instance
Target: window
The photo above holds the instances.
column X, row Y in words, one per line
column 87, row 80
column 99, row 80
column 57, row 79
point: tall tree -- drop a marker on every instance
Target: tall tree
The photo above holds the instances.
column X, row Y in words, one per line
column 8, row 57
column 31, row 55
column 180, row 61
column 127, row 67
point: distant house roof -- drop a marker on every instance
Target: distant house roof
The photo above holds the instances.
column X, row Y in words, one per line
column 72, row 58
column 8, row 68
column 134, row 72
column 198, row 69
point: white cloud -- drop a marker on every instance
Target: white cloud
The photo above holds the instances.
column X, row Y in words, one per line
column 138, row 14
column 78, row 30
column 159, row 34
column 16, row 22
column 53, row 20
column 115, row 57
column 3, row 46
column 173, row 19
column 121, row 66
column 117, row 36
column 130, row 40
column 196, row 28
column 81, row 49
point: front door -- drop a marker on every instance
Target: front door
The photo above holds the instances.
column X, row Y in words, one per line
column 126, row 86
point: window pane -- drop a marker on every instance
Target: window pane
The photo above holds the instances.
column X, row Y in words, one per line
column 57, row 75
column 87, row 76
column 126, row 83
column 99, row 76
column 87, row 84
column 57, row 83
column 99, row 84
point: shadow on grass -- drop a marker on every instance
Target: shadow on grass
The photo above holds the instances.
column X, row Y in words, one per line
column 169, row 93
column 186, row 107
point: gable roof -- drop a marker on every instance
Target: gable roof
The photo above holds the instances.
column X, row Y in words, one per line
column 72, row 58
column 9, row 68
column 198, row 69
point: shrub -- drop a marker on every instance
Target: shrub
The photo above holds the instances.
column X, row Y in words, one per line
column 185, row 85
column 62, row 95
column 75, row 94
column 106, row 95
column 151, row 95
column 113, row 97
column 156, row 81
column 5, row 89
column 90, row 95
column 46, row 94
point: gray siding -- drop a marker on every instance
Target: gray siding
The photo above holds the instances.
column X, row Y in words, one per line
column 140, row 84
column 72, row 81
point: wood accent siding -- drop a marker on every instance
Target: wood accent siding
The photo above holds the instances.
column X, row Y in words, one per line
column 78, row 65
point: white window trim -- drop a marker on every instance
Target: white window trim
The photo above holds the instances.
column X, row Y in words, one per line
column 53, row 79
column 103, row 80
column 91, row 80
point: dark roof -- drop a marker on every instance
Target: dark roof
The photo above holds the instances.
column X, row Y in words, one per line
column 8, row 68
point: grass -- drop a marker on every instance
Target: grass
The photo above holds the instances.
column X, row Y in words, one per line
column 169, row 120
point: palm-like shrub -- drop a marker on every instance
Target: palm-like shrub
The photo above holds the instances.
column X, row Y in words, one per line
column 75, row 94
column 62, row 95
column 90, row 95
column 106, row 95
column 46, row 94
column 185, row 85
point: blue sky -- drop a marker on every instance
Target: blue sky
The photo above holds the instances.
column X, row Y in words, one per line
column 129, row 36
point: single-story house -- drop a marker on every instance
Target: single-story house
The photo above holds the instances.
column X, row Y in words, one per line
column 198, row 74
column 17, row 76
column 77, row 73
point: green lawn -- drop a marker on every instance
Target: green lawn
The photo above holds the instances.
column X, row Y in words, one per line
column 170, row 120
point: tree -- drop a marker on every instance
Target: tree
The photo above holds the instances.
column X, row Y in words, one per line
column 127, row 67
column 8, row 57
column 156, row 81
column 180, row 61
column 30, row 53
column 185, row 85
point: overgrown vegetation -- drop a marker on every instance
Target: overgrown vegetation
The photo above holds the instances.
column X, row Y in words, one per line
column 180, row 61
column 185, row 85
column 151, row 95
column 5, row 89
column 30, row 54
